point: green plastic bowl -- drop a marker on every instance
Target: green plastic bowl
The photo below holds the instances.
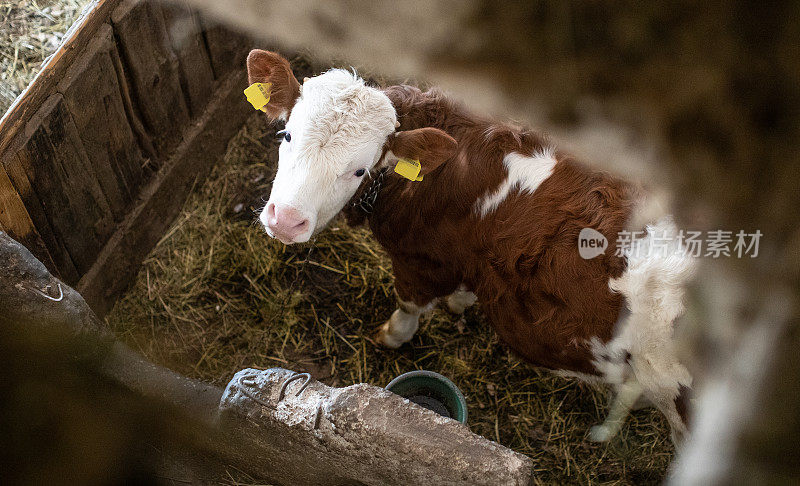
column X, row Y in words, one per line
column 432, row 391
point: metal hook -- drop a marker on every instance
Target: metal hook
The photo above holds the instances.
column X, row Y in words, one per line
column 307, row 376
column 54, row 299
column 245, row 382
column 317, row 415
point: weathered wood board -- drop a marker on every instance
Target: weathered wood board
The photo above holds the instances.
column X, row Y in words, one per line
column 80, row 34
column 54, row 248
column 227, row 48
column 15, row 217
column 60, row 173
column 152, row 68
column 163, row 198
column 188, row 42
column 93, row 96
column 98, row 154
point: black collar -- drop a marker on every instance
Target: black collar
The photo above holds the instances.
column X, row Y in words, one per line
column 366, row 202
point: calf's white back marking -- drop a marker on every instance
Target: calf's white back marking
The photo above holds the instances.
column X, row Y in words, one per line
column 524, row 173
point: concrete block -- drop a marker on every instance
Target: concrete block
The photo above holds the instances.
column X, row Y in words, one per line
column 305, row 432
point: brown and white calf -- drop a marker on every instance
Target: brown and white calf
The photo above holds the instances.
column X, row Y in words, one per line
column 495, row 218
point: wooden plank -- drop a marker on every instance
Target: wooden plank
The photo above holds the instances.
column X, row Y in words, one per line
column 15, row 220
column 227, row 48
column 162, row 198
column 53, row 71
column 92, row 94
column 186, row 39
column 55, row 247
column 61, row 175
column 153, row 69
column 16, row 160
column 132, row 111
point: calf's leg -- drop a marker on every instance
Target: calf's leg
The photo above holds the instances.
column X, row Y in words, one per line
column 400, row 328
column 625, row 397
column 418, row 289
column 675, row 409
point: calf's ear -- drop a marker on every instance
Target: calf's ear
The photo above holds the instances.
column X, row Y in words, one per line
column 431, row 146
column 269, row 67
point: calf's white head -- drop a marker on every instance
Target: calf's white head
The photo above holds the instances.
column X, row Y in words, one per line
column 338, row 129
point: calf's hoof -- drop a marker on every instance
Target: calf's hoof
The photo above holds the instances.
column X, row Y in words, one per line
column 460, row 301
column 384, row 338
column 455, row 307
column 602, row 433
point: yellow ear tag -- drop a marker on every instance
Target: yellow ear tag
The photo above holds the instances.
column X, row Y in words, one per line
column 258, row 95
column 409, row 169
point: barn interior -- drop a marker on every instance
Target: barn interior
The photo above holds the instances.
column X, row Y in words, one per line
column 177, row 267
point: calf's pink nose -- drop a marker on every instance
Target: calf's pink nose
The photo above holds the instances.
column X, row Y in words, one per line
column 285, row 221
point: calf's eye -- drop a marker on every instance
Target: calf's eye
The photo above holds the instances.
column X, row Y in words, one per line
column 284, row 135
column 360, row 172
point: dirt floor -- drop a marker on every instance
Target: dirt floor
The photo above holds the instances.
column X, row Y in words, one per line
column 217, row 295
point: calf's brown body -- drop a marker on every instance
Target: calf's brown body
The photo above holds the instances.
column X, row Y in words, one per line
column 498, row 213
column 521, row 260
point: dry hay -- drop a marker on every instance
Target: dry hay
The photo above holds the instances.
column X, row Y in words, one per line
column 217, row 295
column 30, row 31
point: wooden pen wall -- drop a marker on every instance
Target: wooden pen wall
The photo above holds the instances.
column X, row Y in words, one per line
column 101, row 150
